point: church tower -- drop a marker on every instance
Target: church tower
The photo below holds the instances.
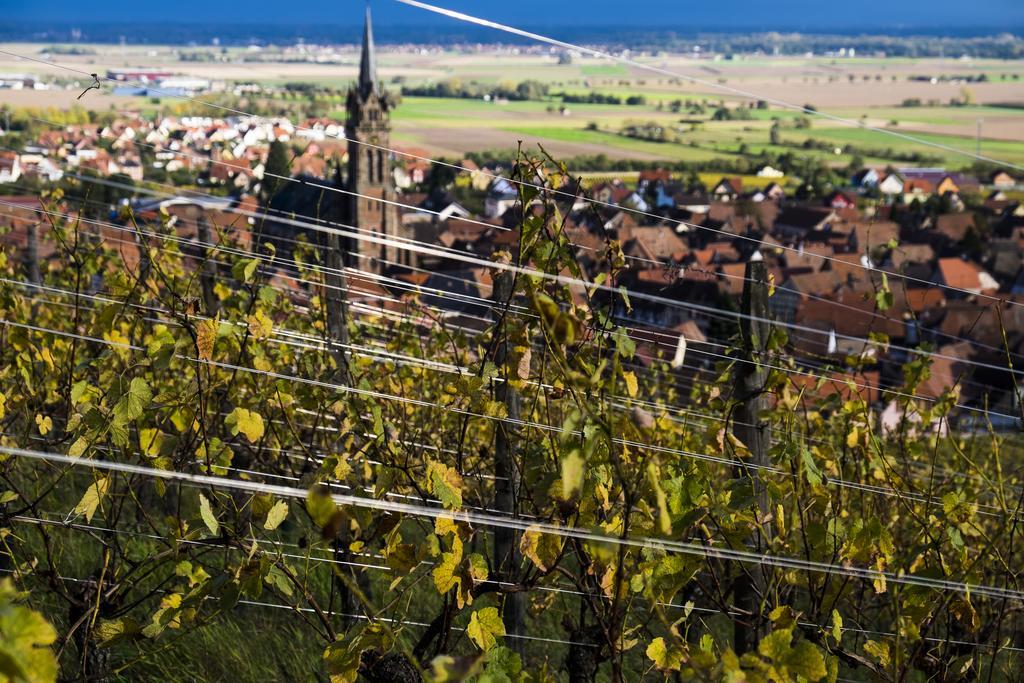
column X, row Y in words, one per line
column 368, row 128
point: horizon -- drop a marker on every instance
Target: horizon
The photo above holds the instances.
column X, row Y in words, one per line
column 800, row 16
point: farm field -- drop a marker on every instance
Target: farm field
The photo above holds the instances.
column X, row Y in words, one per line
column 868, row 90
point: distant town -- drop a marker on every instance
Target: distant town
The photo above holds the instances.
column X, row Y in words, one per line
column 831, row 220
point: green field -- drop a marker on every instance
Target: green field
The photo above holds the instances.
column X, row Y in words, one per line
column 484, row 124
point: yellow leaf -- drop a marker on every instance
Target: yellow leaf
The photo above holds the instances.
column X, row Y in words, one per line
column 151, row 440
column 206, row 337
column 445, row 483
column 541, row 549
column 246, row 422
column 260, row 326
column 276, row 515
column 44, row 423
column 206, row 512
column 92, row 498
column 485, row 627
column 631, row 383
column 664, row 656
column 572, row 474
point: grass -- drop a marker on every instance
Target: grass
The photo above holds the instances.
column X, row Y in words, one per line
column 613, row 141
column 1012, row 152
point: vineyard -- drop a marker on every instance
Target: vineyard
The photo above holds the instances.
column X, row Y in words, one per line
column 227, row 457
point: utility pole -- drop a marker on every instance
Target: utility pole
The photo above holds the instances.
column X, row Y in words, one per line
column 751, row 427
column 208, row 274
column 506, row 475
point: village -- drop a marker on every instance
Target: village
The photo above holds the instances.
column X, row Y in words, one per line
column 957, row 241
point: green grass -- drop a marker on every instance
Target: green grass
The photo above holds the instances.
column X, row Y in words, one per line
column 613, row 141
column 607, row 70
column 1009, row 151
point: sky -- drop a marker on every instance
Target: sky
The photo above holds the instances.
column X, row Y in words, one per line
column 679, row 15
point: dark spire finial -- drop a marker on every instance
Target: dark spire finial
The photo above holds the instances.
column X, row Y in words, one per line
column 368, row 61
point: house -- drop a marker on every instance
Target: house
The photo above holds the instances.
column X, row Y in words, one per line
column 10, row 167
column 728, row 189
column 797, row 222
column 501, row 197
column 873, row 235
column 840, row 200
column 653, row 178
column 1002, row 180
column 796, row 289
column 774, row 192
column 953, row 227
column 960, row 274
column 692, row 203
column 939, row 179
column 916, row 188
column 866, row 179
column 905, row 254
column 654, row 243
column 891, row 185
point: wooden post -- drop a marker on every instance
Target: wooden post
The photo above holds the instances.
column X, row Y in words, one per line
column 753, row 430
column 208, row 274
column 337, row 305
column 32, row 254
column 506, row 484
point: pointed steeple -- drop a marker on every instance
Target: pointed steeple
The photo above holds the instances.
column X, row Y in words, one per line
column 368, row 61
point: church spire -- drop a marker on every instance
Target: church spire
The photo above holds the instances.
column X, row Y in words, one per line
column 368, row 62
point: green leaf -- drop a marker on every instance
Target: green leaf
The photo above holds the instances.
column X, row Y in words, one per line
column 837, row 626
column 445, row 483
column 502, row 665
column 884, row 297
column 806, row 660
column 664, row 518
column 131, row 404
column 209, row 519
column 25, row 654
column 276, row 515
column 110, row 632
column 244, row 269
column 811, row 470
column 485, row 627
column 878, row 650
column 247, row 422
column 92, row 498
column 342, row 662
column 625, row 346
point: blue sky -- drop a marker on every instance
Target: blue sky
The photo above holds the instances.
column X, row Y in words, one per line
column 680, row 15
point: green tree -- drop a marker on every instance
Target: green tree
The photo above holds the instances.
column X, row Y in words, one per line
column 277, row 169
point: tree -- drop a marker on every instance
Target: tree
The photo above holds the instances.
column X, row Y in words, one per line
column 277, row 169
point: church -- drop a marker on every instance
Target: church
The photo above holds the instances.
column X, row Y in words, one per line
column 363, row 195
